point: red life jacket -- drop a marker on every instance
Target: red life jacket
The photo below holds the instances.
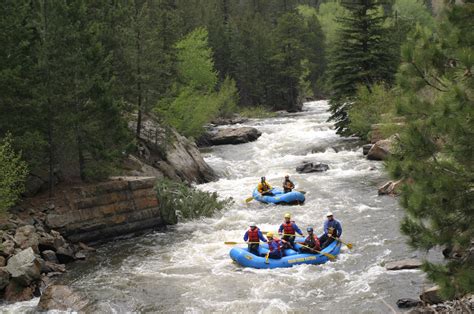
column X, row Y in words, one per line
column 253, row 235
column 288, row 228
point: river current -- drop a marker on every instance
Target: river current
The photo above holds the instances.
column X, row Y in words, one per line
column 188, row 269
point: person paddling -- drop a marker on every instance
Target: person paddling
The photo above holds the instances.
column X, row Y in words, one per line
column 288, row 185
column 275, row 246
column 311, row 243
column 289, row 229
column 264, row 188
column 253, row 236
column 332, row 229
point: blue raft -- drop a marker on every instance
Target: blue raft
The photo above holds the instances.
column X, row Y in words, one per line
column 243, row 257
column 279, row 197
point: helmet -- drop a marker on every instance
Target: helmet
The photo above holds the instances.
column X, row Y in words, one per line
column 270, row 234
column 252, row 224
column 329, row 214
column 262, row 178
column 309, row 229
column 287, row 215
column 287, row 176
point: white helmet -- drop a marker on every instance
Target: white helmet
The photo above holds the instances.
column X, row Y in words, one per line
column 252, row 224
column 329, row 214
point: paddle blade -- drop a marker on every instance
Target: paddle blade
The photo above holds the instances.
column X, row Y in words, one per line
column 330, row 256
column 302, row 192
column 231, row 243
column 349, row 245
column 247, row 200
column 266, row 257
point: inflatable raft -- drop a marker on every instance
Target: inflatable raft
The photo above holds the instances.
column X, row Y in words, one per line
column 279, row 197
column 243, row 257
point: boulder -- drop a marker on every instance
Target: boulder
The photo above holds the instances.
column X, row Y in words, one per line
column 391, row 188
column 410, row 263
column 7, row 248
column 4, row 278
column 407, row 303
column 230, row 136
column 173, row 155
column 3, row 261
column 51, row 241
column 26, row 237
column 49, row 256
column 80, row 255
column 308, row 167
column 62, row 298
column 366, row 148
column 65, row 254
column 24, row 267
column 431, row 295
column 17, row 292
column 49, row 267
column 381, row 150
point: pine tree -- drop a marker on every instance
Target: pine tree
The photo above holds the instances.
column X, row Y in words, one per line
column 435, row 152
column 363, row 55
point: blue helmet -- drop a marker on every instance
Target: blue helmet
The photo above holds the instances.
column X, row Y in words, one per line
column 309, row 229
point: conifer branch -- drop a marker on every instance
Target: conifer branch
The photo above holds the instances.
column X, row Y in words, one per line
column 425, row 79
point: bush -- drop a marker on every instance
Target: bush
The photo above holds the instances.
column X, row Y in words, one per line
column 13, row 173
column 370, row 107
column 257, row 112
column 178, row 201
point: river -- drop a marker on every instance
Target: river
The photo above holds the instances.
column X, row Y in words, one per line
column 188, row 269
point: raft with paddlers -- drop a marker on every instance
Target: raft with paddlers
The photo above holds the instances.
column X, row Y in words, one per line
column 291, row 257
column 277, row 196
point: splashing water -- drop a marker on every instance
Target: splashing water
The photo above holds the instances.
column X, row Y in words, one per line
column 188, row 269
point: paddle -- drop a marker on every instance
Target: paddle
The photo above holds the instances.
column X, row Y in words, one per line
column 349, row 245
column 330, row 256
column 284, row 234
column 235, row 243
column 266, row 257
column 249, row 199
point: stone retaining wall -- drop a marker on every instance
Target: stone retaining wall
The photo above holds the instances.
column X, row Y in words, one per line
column 122, row 206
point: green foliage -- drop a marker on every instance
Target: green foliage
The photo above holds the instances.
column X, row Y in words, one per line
column 362, row 55
column 436, row 148
column 228, row 98
column 257, row 112
column 195, row 64
column 369, row 107
column 13, row 173
column 196, row 102
column 178, row 201
column 328, row 14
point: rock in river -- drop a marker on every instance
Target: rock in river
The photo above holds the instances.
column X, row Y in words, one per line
column 230, row 136
column 62, row 298
column 308, row 167
column 410, row 263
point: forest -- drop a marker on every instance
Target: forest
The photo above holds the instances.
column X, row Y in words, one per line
column 74, row 74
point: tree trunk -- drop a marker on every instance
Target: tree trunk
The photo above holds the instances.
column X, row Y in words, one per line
column 139, row 79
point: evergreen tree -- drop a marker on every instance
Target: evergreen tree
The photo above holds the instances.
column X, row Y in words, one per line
column 436, row 145
column 286, row 61
column 363, row 55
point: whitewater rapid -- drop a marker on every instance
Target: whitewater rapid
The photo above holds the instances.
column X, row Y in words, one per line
column 188, row 269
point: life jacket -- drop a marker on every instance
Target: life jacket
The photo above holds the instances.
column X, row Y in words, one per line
column 253, row 235
column 312, row 242
column 288, row 185
column 288, row 227
column 274, row 245
column 264, row 187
